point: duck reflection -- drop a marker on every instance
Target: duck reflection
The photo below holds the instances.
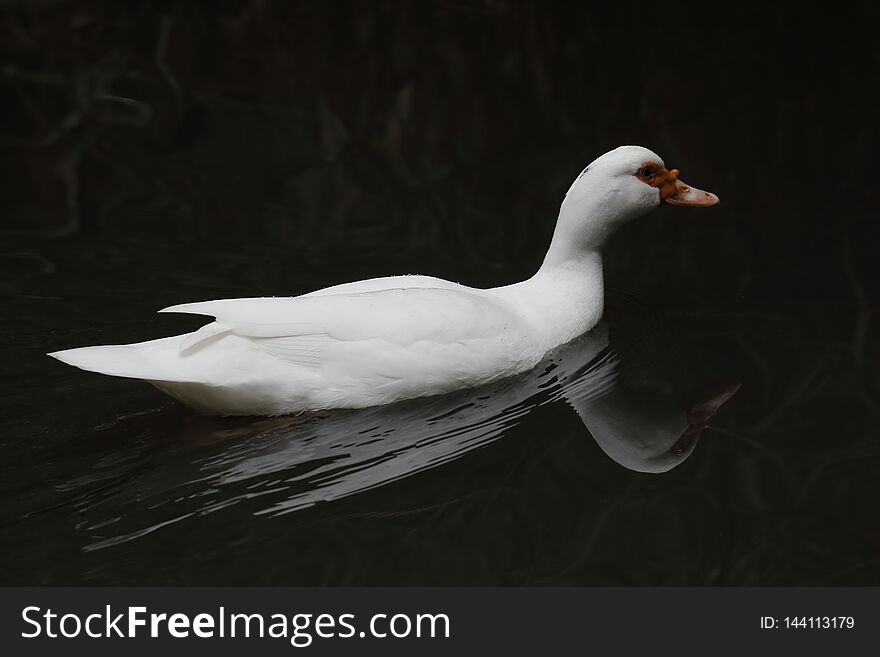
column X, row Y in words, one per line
column 285, row 464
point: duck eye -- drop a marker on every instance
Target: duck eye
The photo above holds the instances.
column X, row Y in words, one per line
column 647, row 172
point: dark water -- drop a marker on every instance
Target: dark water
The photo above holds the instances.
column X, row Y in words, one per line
column 173, row 154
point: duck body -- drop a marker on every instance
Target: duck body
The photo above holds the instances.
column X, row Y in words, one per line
column 350, row 346
column 376, row 341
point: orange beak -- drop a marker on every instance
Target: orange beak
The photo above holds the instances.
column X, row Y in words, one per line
column 675, row 192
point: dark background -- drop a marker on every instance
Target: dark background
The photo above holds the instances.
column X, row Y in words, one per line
column 155, row 153
column 297, row 124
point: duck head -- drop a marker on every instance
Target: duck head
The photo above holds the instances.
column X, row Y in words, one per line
column 616, row 187
column 649, row 430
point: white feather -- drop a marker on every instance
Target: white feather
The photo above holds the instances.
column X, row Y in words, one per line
column 376, row 341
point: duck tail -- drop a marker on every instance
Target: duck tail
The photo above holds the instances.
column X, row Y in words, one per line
column 114, row 360
column 154, row 360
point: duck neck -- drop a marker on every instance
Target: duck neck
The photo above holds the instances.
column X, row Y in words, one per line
column 587, row 217
column 565, row 298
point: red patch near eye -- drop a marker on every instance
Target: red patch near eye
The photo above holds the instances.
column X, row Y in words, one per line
column 659, row 177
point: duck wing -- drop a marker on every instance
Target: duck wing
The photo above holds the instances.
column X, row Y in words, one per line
column 393, row 330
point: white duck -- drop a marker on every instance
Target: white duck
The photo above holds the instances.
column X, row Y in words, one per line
column 376, row 341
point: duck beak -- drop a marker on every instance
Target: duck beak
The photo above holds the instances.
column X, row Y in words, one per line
column 699, row 413
column 676, row 192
